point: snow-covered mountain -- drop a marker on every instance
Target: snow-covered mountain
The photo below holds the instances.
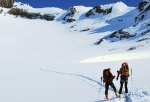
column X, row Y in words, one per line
column 55, row 55
column 118, row 20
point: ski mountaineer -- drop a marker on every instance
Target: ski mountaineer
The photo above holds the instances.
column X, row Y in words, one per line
column 109, row 81
column 124, row 72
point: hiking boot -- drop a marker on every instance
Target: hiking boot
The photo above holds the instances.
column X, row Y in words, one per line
column 106, row 97
column 126, row 95
column 119, row 95
column 116, row 94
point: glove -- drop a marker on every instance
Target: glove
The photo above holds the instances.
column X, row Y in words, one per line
column 114, row 77
column 117, row 71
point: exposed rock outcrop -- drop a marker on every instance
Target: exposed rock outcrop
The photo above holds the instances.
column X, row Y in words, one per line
column 30, row 15
column 69, row 16
column 6, row 3
column 98, row 9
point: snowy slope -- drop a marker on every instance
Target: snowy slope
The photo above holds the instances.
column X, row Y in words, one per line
column 58, row 61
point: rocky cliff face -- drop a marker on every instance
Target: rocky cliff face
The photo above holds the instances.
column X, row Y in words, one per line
column 6, row 3
column 69, row 16
column 98, row 9
column 144, row 9
column 30, row 15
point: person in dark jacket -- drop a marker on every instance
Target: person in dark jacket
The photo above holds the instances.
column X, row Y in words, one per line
column 124, row 74
column 109, row 82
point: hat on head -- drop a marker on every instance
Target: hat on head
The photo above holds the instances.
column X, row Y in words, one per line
column 125, row 63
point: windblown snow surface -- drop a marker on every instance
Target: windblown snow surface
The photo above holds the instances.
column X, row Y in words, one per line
column 53, row 61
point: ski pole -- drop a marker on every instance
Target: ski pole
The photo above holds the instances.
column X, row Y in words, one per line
column 131, row 75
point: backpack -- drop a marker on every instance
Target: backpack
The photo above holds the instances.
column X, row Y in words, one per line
column 125, row 71
column 104, row 75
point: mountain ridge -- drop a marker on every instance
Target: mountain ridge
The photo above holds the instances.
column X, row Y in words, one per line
column 122, row 22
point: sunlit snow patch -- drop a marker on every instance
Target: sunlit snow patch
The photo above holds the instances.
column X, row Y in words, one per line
column 117, row 57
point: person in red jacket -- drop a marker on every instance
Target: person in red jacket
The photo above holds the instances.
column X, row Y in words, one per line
column 124, row 72
column 109, row 82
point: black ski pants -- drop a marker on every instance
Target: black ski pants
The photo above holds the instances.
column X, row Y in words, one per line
column 124, row 80
column 107, row 84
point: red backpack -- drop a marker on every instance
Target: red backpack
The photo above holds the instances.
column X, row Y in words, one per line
column 105, row 74
column 124, row 70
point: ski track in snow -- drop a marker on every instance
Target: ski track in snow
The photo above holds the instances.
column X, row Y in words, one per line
column 134, row 94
